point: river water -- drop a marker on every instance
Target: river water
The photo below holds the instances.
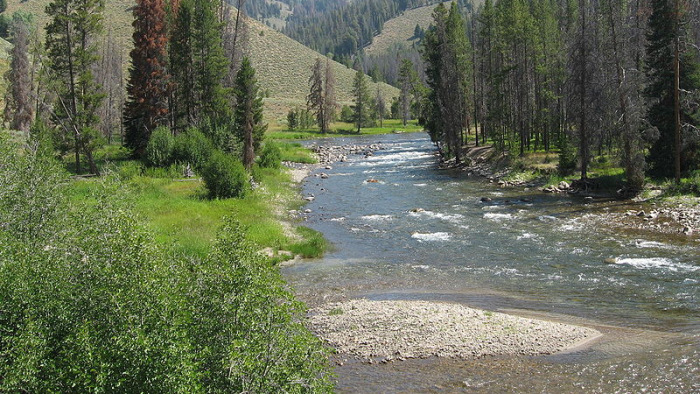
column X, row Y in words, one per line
column 402, row 228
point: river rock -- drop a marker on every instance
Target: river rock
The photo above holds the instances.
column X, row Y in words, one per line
column 486, row 199
column 564, row 185
column 610, row 260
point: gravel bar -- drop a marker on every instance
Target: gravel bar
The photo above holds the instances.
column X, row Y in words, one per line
column 398, row 330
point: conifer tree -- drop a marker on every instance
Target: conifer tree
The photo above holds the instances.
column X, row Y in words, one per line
column 199, row 65
column 407, row 80
column 315, row 101
column 148, row 86
column 360, row 91
column 666, row 32
column 248, row 113
column 72, row 53
column 330, row 102
column 19, row 110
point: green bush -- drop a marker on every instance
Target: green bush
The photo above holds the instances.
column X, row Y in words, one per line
column 159, row 151
column 192, row 147
column 567, row 157
column 271, row 156
column 90, row 303
column 224, row 176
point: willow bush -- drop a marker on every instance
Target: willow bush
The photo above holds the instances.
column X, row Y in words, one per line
column 90, row 303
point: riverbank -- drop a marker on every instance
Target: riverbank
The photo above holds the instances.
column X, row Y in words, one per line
column 385, row 331
column 650, row 211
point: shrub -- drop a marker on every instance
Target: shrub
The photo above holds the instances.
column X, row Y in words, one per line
column 567, row 157
column 224, row 176
column 192, row 147
column 347, row 115
column 159, row 151
column 90, row 303
column 271, row 156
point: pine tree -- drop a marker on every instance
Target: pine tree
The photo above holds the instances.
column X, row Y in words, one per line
column 360, row 92
column 445, row 51
column 199, row 65
column 666, row 30
column 19, row 110
column 315, row 101
column 210, row 62
column 329, row 99
column 72, row 54
column 148, row 85
column 407, row 81
column 249, row 126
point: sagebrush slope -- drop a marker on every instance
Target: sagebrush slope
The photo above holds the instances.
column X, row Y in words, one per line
column 283, row 65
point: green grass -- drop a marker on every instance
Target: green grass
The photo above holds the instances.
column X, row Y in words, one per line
column 181, row 217
column 295, row 152
column 341, row 129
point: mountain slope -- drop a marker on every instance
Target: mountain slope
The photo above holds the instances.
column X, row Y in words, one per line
column 401, row 29
column 283, row 65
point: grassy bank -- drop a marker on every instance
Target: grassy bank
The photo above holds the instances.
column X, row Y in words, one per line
column 605, row 173
column 179, row 214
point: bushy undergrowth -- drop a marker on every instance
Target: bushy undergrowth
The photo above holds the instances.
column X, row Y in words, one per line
column 159, row 151
column 224, row 176
column 271, row 156
column 90, row 303
column 192, row 147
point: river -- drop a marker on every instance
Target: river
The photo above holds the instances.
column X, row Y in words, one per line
column 402, row 228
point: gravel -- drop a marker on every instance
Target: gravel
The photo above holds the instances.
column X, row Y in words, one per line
column 386, row 331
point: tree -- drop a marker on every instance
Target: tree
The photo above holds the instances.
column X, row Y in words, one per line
column 148, row 86
column 407, row 80
column 19, row 109
column 445, row 50
column 248, row 112
column 380, row 107
column 72, row 52
column 360, row 92
column 199, row 66
column 315, row 101
column 321, row 99
column 330, row 102
column 670, row 70
column 110, row 75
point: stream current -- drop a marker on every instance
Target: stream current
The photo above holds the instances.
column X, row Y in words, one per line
column 402, row 228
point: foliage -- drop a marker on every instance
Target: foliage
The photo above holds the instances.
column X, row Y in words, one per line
column 148, row 86
column 271, row 156
column 73, row 53
column 192, row 147
column 362, row 101
column 91, row 304
column 224, row 176
column 248, row 113
column 665, row 28
column 159, row 151
column 19, row 109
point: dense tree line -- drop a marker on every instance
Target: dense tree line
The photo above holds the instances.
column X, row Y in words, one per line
column 594, row 75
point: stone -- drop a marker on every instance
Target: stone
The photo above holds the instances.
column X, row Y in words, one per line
column 641, row 214
column 564, row 185
column 417, row 210
column 610, row 260
column 486, row 199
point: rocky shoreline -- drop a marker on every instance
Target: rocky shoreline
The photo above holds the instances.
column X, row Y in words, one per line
column 385, row 331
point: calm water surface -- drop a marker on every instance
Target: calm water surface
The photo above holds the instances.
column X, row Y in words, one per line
column 423, row 233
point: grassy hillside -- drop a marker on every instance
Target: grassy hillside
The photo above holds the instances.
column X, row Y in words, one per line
column 283, row 65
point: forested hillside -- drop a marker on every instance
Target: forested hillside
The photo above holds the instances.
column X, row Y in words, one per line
column 346, row 30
